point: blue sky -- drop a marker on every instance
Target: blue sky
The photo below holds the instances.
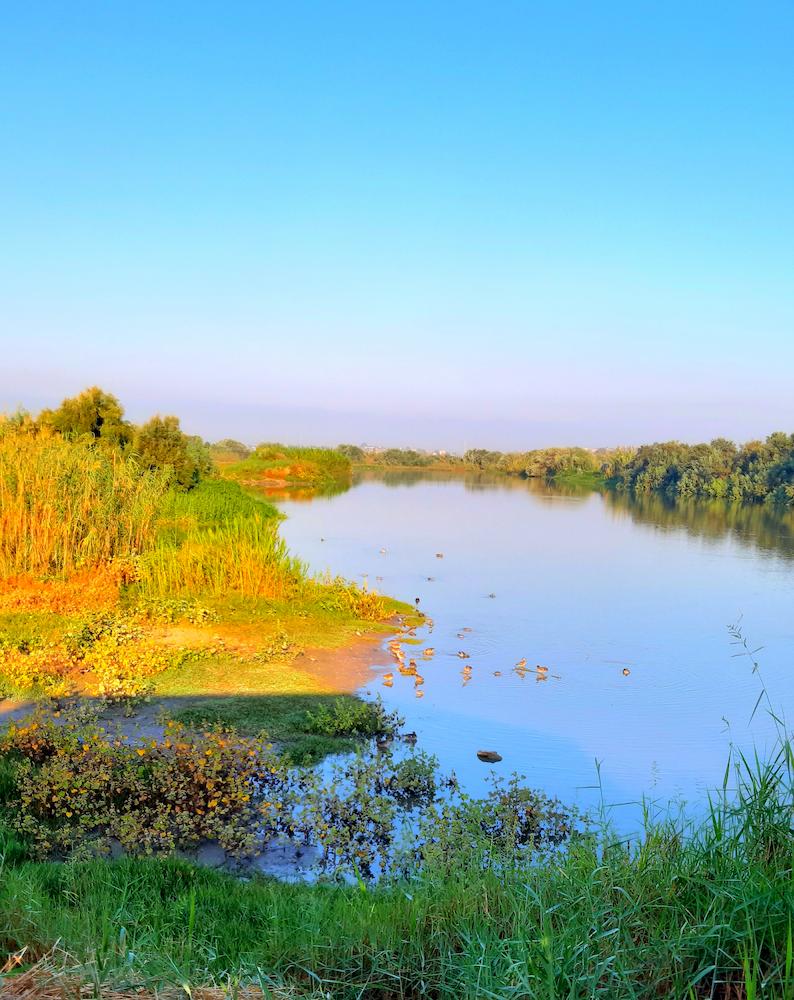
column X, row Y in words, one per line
column 446, row 224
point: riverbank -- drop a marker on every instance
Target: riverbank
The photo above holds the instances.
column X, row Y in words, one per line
column 421, row 889
column 686, row 911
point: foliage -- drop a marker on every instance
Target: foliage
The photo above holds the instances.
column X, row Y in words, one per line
column 351, row 717
column 78, row 786
column 409, row 458
column 108, row 653
column 229, row 450
column 168, row 610
column 474, row 898
column 546, row 463
column 758, row 471
column 351, row 451
column 210, row 503
column 339, row 595
column 161, row 444
column 244, row 555
column 314, row 467
column 216, row 540
column 481, row 458
column 685, row 910
column 286, row 718
column 94, row 414
column 126, row 670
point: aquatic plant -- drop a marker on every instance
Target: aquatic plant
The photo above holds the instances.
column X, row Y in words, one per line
column 76, row 787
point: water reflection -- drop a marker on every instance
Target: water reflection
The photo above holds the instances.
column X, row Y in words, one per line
column 590, row 584
column 758, row 525
column 754, row 525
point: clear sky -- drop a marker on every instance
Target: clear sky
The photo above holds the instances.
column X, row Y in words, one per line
column 448, row 224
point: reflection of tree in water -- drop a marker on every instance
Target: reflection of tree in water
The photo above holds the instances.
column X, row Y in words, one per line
column 413, row 477
column 471, row 480
column 293, row 493
column 752, row 525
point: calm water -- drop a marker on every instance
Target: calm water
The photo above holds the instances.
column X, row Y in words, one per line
column 586, row 584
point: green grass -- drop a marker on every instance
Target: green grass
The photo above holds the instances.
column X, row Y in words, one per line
column 672, row 917
column 295, row 723
column 212, row 502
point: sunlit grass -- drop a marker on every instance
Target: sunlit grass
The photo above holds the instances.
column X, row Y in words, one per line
column 67, row 506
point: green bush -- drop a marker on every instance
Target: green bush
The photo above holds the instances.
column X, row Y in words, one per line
column 350, row 717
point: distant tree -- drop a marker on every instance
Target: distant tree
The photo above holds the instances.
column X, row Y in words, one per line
column 200, row 453
column 760, row 470
column 93, row 413
column 482, row 458
column 161, row 444
column 404, row 457
column 351, row 451
column 228, row 446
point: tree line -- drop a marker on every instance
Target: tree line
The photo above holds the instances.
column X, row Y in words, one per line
column 759, row 471
column 756, row 471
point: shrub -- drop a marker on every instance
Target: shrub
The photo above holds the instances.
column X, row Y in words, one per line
column 350, row 717
column 77, row 786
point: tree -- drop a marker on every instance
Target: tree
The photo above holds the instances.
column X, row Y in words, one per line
column 482, row 458
column 351, row 451
column 229, row 446
column 93, row 413
column 161, row 444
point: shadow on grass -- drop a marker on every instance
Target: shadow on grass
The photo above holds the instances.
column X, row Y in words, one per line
column 303, row 727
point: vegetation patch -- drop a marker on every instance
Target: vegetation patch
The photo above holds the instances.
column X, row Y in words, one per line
column 697, row 910
column 277, row 464
column 304, row 727
column 76, row 788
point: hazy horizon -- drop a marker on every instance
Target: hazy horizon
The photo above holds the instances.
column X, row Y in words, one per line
column 444, row 226
column 252, row 425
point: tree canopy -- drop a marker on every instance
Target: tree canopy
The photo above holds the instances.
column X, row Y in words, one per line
column 160, row 443
column 93, row 413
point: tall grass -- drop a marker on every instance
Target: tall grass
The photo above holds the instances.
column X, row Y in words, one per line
column 214, row 540
column 211, row 502
column 243, row 554
column 69, row 506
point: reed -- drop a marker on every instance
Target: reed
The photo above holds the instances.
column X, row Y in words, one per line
column 241, row 554
column 68, row 506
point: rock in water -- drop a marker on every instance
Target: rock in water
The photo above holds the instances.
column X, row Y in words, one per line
column 489, row 756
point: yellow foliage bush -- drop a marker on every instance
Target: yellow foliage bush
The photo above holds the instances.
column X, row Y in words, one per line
column 78, row 785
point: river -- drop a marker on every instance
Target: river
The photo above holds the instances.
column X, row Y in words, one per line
column 626, row 601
